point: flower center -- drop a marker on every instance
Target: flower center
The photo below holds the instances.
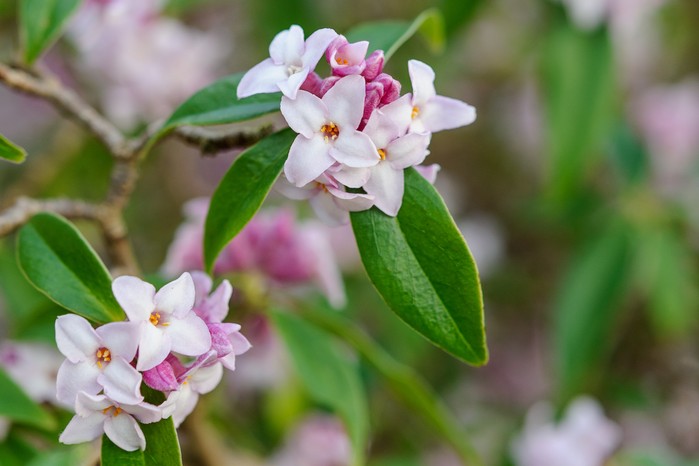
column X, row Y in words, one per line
column 103, row 356
column 330, row 131
column 113, row 411
column 382, row 154
column 322, row 187
column 415, row 113
column 293, row 69
column 341, row 61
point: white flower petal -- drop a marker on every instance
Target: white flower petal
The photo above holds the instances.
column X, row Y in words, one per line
column 291, row 85
column 121, row 382
column 345, row 102
column 76, row 338
column 135, row 296
column 177, row 297
column 442, row 113
column 330, row 213
column 422, row 79
column 86, row 404
column 288, row 45
column 429, row 172
column 351, row 202
column 305, row 114
column 83, row 429
column 153, row 348
column 125, row 432
column 205, row 379
column 386, row 185
column 184, row 404
column 261, row 79
column 73, row 378
column 381, row 129
column 408, row 150
column 399, row 112
column 202, row 286
column 355, row 150
column 287, row 189
column 121, row 338
column 315, row 47
column 145, row 413
column 351, row 177
column 189, row 335
column 308, row 158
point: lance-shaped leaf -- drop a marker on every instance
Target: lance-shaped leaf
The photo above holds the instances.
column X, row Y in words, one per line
column 10, row 151
column 389, row 36
column 242, row 191
column 41, row 23
column 17, row 406
column 59, row 262
column 329, row 375
column 421, row 266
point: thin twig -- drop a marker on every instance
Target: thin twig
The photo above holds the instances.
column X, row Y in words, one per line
column 211, row 141
column 24, row 209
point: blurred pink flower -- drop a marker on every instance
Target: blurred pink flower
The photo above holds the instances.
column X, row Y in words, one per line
column 318, row 441
column 32, row 366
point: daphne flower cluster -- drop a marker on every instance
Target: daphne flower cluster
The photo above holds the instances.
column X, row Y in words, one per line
column 354, row 129
column 105, row 367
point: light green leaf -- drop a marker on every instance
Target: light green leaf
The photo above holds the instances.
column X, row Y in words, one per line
column 41, row 23
column 389, row 36
column 242, row 191
column 329, row 375
column 17, row 406
column 587, row 308
column 420, row 264
column 60, row 263
column 10, row 151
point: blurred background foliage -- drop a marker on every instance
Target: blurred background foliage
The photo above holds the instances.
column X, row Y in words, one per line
column 576, row 189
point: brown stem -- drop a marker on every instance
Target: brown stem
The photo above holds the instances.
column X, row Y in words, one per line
column 211, row 141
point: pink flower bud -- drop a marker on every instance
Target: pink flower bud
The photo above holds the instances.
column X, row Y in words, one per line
column 161, row 377
column 374, row 65
column 346, row 58
column 328, row 84
column 312, row 84
column 219, row 340
column 391, row 88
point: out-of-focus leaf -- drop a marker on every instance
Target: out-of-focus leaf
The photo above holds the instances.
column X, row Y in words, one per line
column 218, row 104
column 458, row 13
column 420, row 264
column 389, row 36
column 60, row 263
column 22, row 299
column 587, row 307
column 10, row 151
column 65, row 456
column 579, row 92
column 273, row 16
column 15, row 451
column 242, row 191
column 329, row 375
column 41, row 23
column 629, row 156
column 17, row 406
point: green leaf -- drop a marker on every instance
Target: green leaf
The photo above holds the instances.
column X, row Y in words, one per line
column 17, row 406
column 458, row 13
column 420, row 264
column 242, row 191
column 389, row 36
column 64, row 456
column 60, row 263
column 41, row 23
column 329, row 375
column 587, row 308
column 10, row 151
column 580, row 90
column 217, row 104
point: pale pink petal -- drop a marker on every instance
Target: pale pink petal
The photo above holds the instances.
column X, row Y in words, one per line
column 316, row 45
column 327, row 271
column 177, row 297
column 429, row 172
column 74, row 378
column 330, row 213
column 355, row 150
column 239, row 342
column 289, row 45
column 386, row 185
column 184, row 405
column 76, row 338
column 153, row 348
column 381, row 129
column 422, row 79
column 287, row 189
column 278, row 46
column 121, row 338
column 135, row 296
column 216, row 306
column 146, row 413
column 350, row 177
column 83, row 429
column 308, row 158
column 228, row 361
column 189, row 335
column 305, row 114
column 206, row 379
column 291, row 85
column 399, row 112
column 345, row 102
column 125, row 432
column 352, row 202
column 261, row 79
column 121, row 382
column 442, row 113
column 86, row 404
column 407, row 151
column 202, row 286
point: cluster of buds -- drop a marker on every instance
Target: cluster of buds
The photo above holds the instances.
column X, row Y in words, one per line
column 174, row 340
column 354, row 128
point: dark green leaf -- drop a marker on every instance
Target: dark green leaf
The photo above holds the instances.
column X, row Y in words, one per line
column 41, row 23
column 17, row 406
column 242, row 191
column 389, row 36
column 629, row 157
column 420, row 264
column 10, row 151
column 60, row 263
column 458, row 13
column 329, row 375
column 587, row 308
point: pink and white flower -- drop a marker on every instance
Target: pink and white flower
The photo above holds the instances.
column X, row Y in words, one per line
column 346, row 58
column 166, row 318
column 317, row 441
column 327, row 130
column 32, row 366
column 432, row 112
column 291, row 60
column 198, row 382
column 97, row 359
column 98, row 414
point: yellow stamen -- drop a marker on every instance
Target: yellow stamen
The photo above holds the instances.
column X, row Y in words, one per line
column 322, row 187
column 382, row 154
column 341, row 61
column 114, row 411
column 103, row 355
column 154, row 318
column 415, row 113
column 330, row 131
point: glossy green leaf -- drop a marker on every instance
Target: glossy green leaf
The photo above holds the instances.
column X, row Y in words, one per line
column 579, row 93
column 242, row 191
column 17, row 406
column 10, row 151
column 389, row 36
column 60, row 263
column 217, row 104
column 329, row 375
column 458, row 13
column 420, row 264
column 41, row 23
column 587, row 308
